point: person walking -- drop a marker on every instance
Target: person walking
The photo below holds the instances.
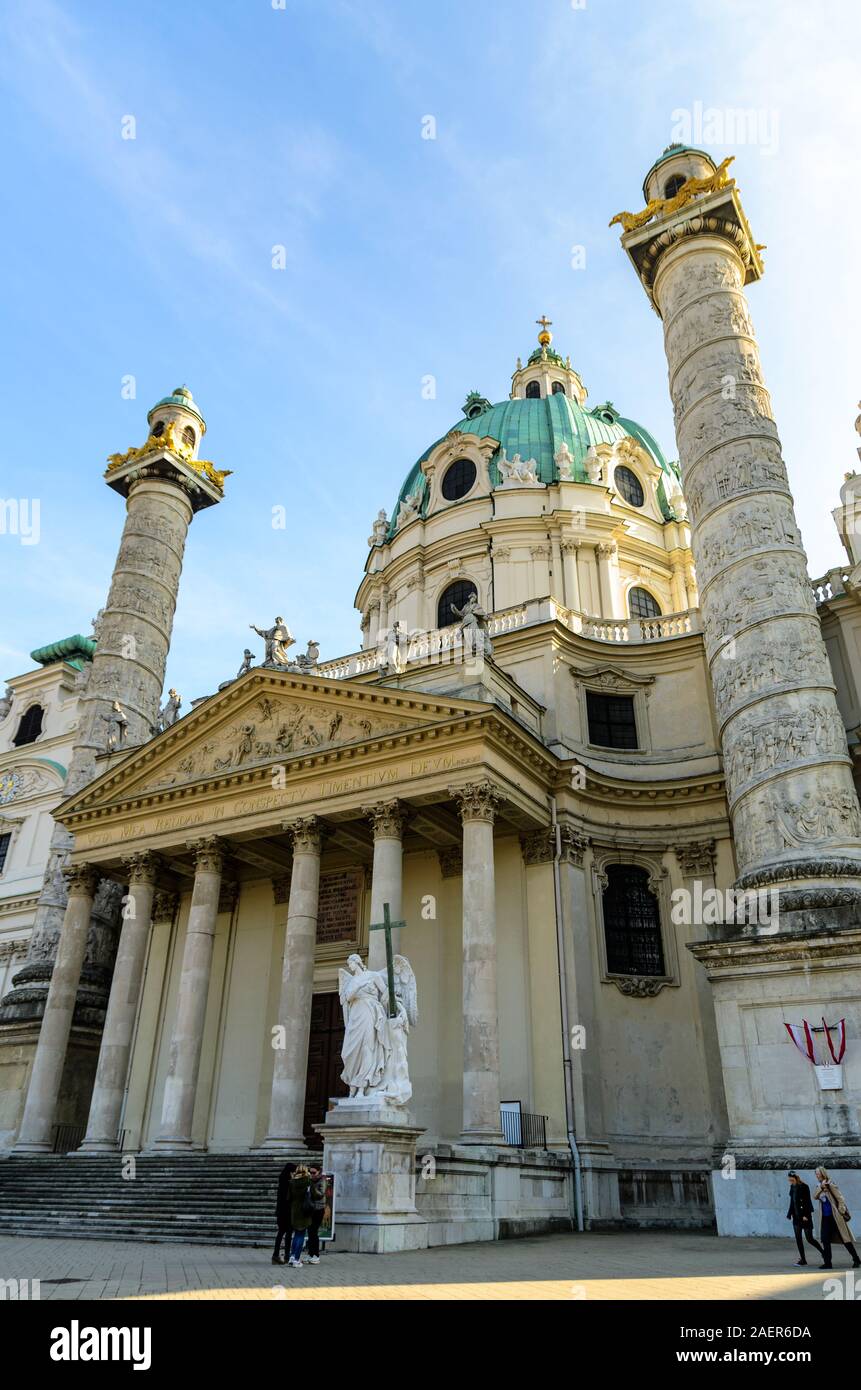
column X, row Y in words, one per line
column 835, row 1220
column 300, row 1212
column 317, row 1194
column 801, row 1215
column 282, row 1215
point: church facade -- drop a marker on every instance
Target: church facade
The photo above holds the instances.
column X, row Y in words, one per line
column 597, row 695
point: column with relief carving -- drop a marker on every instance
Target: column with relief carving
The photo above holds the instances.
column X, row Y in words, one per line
column 387, row 819
column 478, row 804
column 186, row 1043
column 290, row 1067
column 795, row 814
column 114, row 1053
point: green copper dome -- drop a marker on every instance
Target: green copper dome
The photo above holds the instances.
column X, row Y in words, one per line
column 535, row 428
column 669, row 153
column 180, row 395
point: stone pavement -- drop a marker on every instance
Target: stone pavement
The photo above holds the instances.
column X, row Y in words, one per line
column 624, row 1265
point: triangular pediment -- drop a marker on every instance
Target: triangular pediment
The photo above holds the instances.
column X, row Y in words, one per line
column 264, row 718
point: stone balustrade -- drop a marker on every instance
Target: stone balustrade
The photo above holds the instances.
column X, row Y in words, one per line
column 829, row 586
column 447, row 642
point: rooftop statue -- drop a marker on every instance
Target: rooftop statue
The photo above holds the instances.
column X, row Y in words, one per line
column 278, row 639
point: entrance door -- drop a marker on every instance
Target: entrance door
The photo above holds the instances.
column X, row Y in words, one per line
column 324, row 1062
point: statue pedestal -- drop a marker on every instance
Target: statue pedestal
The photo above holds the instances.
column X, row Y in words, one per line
column 371, row 1149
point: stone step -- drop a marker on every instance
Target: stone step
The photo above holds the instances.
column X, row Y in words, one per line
column 201, row 1198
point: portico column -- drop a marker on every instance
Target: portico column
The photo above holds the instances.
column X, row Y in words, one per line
column 478, row 803
column 106, row 1104
column 290, row 1070
column 177, row 1113
column 36, row 1134
column 388, row 819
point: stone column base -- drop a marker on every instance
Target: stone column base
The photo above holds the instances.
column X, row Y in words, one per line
column 278, row 1144
column 371, row 1149
column 96, row 1146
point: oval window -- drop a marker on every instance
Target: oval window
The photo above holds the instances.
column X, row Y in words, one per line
column 628, row 486
column 458, row 480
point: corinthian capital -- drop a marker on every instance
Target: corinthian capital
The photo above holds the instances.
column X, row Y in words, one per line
column 307, row 833
column 388, row 819
column 142, row 867
column 208, row 853
column 82, row 880
column 477, row 800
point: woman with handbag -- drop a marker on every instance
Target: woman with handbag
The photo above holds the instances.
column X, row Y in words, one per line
column 835, row 1218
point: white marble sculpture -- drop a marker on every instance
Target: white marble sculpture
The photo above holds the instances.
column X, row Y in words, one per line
column 518, row 472
column 374, row 1052
column 564, row 460
column 472, row 620
column 593, row 464
column 379, row 529
column 408, row 510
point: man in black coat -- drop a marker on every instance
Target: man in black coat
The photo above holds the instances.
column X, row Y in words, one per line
column 282, row 1214
column 801, row 1215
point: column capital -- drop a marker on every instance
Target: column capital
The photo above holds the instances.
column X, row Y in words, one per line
column 307, row 833
column 696, row 857
column 477, row 800
column 281, row 889
column 208, row 853
column 142, row 867
column 164, row 905
column 82, row 880
column 388, row 818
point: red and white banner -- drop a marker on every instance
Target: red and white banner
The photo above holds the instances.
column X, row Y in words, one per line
column 803, row 1038
column 840, row 1030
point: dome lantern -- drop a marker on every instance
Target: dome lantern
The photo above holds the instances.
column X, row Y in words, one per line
column 546, row 372
column 179, row 409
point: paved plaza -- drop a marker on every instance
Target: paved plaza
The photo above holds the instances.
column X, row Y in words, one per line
column 626, row 1265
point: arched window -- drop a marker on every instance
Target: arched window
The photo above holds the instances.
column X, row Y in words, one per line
column 632, row 923
column 533, row 389
column 30, row 727
column 455, row 596
column 672, row 186
column 158, row 429
column 628, row 486
column 188, row 436
column 558, row 388
column 458, row 480
column 642, row 604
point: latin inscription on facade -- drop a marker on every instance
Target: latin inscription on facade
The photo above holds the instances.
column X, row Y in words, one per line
column 339, row 906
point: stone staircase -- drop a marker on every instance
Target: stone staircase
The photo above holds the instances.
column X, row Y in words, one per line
column 211, row 1199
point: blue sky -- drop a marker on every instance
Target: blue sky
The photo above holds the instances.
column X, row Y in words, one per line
column 301, row 126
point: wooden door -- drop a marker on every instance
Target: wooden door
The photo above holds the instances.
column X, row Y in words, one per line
column 324, row 1062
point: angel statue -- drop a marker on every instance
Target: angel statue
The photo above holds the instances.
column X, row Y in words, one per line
column 374, row 1052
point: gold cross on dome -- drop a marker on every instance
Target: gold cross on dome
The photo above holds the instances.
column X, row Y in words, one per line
column 544, row 322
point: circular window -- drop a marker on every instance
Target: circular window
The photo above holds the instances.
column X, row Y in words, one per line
column 642, row 604
column 455, row 596
column 458, row 480
column 628, row 486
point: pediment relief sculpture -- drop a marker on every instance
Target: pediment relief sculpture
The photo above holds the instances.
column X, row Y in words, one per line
column 271, row 729
column 610, row 678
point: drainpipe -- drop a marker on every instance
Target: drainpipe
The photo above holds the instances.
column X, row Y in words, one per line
column 566, row 1033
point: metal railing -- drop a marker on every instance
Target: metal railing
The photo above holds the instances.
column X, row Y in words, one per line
column 68, row 1137
column 522, row 1130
